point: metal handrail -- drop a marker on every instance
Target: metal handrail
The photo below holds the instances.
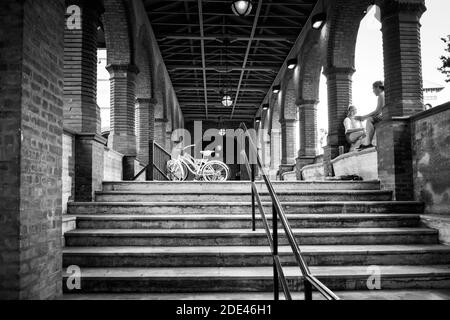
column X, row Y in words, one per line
column 310, row 281
column 152, row 164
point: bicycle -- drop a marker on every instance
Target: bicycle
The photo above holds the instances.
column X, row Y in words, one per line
column 208, row 170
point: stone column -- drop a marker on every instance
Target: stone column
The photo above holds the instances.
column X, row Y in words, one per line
column 288, row 152
column 81, row 113
column 275, row 149
column 308, row 133
column 339, row 98
column 161, row 132
column 31, row 131
column 404, row 96
column 123, row 98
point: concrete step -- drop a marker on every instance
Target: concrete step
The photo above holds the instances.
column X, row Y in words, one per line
column 238, row 186
column 254, row 279
column 220, row 256
column 233, row 196
column 183, row 208
column 245, row 221
column 238, row 237
column 413, row 295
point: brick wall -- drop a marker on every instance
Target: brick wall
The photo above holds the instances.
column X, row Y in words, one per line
column 112, row 167
column 431, row 159
column 31, row 109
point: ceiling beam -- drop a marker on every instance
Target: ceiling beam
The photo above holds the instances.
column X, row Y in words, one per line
column 218, row 89
column 244, row 65
column 232, row 38
column 202, row 34
column 221, row 69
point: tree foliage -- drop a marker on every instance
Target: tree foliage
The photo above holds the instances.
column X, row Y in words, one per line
column 445, row 69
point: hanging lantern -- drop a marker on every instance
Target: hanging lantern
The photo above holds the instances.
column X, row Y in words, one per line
column 227, row 101
column 242, row 8
column 319, row 20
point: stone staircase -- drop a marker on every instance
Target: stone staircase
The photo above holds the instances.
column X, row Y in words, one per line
column 196, row 238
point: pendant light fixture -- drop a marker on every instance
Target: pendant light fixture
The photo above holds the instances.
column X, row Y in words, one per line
column 242, row 8
column 319, row 19
column 292, row 64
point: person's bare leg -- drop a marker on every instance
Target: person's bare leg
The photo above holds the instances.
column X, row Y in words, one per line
column 370, row 130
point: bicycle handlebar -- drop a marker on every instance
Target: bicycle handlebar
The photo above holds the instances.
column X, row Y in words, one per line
column 191, row 146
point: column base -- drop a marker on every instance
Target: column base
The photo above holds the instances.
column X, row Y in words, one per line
column 284, row 168
column 89, row 154
column 124, row 144
column 395, row 167
column 301, row 163
column 129, row 168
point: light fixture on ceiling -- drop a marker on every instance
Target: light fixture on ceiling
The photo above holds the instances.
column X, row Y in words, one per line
column 292, row 64
column 257, row 121
column 319, row 19
column 227, row 101
column 242, row 8
column 265, row 107
column 222, row 130
column 276, row 89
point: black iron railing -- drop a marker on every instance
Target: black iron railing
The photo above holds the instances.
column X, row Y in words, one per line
column 158, row 163
column 310, row 281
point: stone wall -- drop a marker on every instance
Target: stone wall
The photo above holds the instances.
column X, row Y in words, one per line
column 431, row 159
column 113, row 170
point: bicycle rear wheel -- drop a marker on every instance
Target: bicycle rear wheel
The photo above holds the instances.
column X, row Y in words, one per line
column 215, row 171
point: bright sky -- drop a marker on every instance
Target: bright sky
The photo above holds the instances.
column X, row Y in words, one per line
column 369, row 58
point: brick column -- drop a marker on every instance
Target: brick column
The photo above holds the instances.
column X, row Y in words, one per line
column 308, row 133
column 339, row 98
column 80, row 69
column 123, row 99
column 31, row 131
column 288, row 152
column 81, row 113
column 123, row 103
column 145, row 125
column 404, row 97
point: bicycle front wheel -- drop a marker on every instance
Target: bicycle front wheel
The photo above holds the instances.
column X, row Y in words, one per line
column 215, row 171
column 175, row 171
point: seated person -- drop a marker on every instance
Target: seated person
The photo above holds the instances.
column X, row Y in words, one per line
column 354, row 129
column 373, row 117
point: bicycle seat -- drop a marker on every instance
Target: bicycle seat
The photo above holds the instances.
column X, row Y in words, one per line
column 206, row 153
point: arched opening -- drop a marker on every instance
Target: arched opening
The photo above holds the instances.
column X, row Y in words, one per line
column 103, row 90
column 322, row 114
column 368, row 61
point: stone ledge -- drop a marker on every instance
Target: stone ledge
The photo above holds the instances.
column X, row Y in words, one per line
column 440, row 223
column 361, row 163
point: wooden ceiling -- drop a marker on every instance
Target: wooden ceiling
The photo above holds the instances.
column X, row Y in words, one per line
column 205, row 48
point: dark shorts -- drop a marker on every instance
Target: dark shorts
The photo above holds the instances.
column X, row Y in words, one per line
column 376, row 119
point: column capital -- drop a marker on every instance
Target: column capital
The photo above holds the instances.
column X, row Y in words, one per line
column 414, row 9
column 332, row 70
column 303, row 103
column 285, row 122
column 124, row 69
column 96, row 5
column 150, row 101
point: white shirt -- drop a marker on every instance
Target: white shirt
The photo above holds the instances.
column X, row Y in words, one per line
column 352, row 124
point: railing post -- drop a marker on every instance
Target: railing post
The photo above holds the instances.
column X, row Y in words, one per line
column 276, row 285
column 253, row 197
column 308, row 290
